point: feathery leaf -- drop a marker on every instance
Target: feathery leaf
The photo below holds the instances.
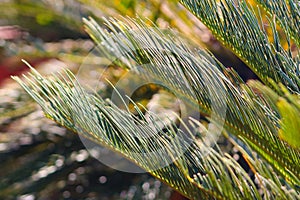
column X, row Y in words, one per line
column 236, row 26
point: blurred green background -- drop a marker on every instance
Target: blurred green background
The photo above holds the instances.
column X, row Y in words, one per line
column 39, row 159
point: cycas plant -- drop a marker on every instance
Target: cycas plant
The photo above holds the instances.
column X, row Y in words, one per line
column 261, row 119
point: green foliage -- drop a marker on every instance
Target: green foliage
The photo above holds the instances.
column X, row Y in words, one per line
column 283, row 10
column 237, row 27
column 238, row 121
column 262, row 124
column 287, row 106
column 290, row 123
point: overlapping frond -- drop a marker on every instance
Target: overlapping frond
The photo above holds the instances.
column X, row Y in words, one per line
column 187, row 74
column 214, row 176
column 236, row 26
column 287, row 13
column 196, row 77
column 264, row 174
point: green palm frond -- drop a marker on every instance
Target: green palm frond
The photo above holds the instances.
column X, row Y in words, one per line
column 236, row 26
column 193, row 73
column 215, row 176
column 287, row 13
column 100, row 121
column 257, row 123
column 263, row 171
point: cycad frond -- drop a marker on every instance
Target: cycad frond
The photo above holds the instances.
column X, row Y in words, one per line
column 264, row 173
column 214, row 176
column 287, row 13
column 194, row 71
column 236, row 26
